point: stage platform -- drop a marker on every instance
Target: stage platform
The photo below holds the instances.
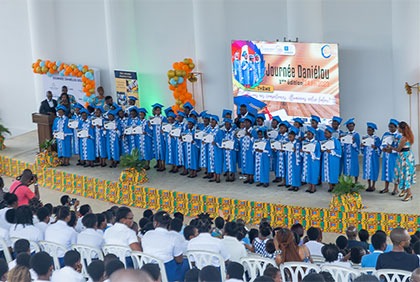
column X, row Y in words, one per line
column 172, row 192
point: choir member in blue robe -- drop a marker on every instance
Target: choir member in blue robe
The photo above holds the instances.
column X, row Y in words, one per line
column 371, row 157
column 87, row 144
column 311, row 161
column 298, row 123
column 237, row 73
column 205, row 127
column 389, row 156
column 145, row 139
column 227, row 114
column 245, row 69
column 113, row 138
column 191, row 149
column 100, row 138
column 247, row 151
column 133, row 121
column 338, row 133
column 275, row 122
column 179, row 159
column 351, row 152
column 131, row 103
column 331, row 160
column 260, row 120
column 215, row 152
column 315, row 120
column 188, row 107
column 64, row 148
column 262, row 158
column 293, row 161
column 158, row 137
column 75, row 141
column 283, row 137
column 122, row 120
column 170, row 153
column 229, row 155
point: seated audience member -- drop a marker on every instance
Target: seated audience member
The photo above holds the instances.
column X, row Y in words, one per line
column 364, row 237
column 298, row 229
column 96, row 271
column 356, row 254
column 175, row 228
column 327, row 276
column 4, row 269
column 235, row 248
column 68, row 202
column 210, row 273
column 217, row 231
column 11, row 201
column 112, row 264
column 379, row 244
column 89, row 236
column 351, row 234
column 83, row 210
column 130, row 275
column 263, row 279
column 19, row 247
column 48, row 105
column 313, row 277
column 19, row 274
column 330, row 253
column 153, row 270
column 60, row 232
column 73, row 220
column 42, row 264
column 398, row 258
column 102, row 222
column 148, row 214
column 234, row 272
column 286, row 248
column 190, row 232
column 415, row 276
column 20, row 187
column 120, row 233
column 43, row 215
column 24, row 227
column 23, row 259
column 313, row 244
column 416, row 248
column 388, row 247
column 192, row 275
column 166, row 246
column 273, row 272
column 71, row 270
column 341, row 243
column 366, row 278
column 204, row 241
column 260, row 242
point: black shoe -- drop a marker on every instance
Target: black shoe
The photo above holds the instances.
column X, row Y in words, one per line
column 212, row 180
column 291, row 189
column 259, row 184
column 308, row 191
column 246, row 181
column 265, row 185
column 251, row 182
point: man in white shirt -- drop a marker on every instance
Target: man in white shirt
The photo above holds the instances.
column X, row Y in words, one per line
column 83, row 210
column 330, row 253
column 235, row 248
column 313, row 245
column 121, row 233
column 175, row 228
column 89, row 236
column 12, row 203
column 43, row 216
column 234, row 272
column 20, row 246
column 71, row 270
column 42, row 264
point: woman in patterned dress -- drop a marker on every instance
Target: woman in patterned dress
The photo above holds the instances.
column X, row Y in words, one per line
column 405, row 170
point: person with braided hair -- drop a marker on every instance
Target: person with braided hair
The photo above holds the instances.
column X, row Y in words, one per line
column 286, row 248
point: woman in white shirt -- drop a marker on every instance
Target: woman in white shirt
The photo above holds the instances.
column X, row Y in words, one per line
column 24, row 227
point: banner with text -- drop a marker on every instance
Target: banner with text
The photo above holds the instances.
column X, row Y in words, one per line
column 126, row 85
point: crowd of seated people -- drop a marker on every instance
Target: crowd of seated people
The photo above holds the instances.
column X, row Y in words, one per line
column 168, row 238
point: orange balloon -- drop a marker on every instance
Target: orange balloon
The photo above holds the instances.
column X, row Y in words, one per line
column 171, row 87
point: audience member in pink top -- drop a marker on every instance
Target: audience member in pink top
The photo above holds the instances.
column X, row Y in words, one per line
column 20, row 187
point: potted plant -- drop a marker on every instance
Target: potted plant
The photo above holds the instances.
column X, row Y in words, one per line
column 346, row 195
column 134, row 169
column 47, row 157
column 3, row 132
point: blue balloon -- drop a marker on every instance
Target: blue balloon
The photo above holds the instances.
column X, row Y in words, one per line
column 89, row 75
column 49, row 74
column 42, row 64
column 172, row 81
column 58, row 63
column 80, row 67
column 61, row 73
column 180, row 80
column 85, row 98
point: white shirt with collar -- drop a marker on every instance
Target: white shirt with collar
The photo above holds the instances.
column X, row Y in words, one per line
column 235, row 248
column 180, row 237
column 3, row 222
column 27, row 231
column 120, row 234
column 90, row 237
column 5, row 235
column 314, row 247
column 162, row 244
column 67, row 274
column 234, row 280
column 205, row 242
column 42, row 226
column 79, row 226
column 62, row 234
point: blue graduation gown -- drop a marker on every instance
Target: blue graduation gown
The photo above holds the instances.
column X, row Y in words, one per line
column 191, row 151
column 113, row 141
column 133, row 139
column 64, row 148
column 311, row 164
column 246, row 154
column 215, row 152
column 320, row 135
column 262, row 163
column 203, row 147
column 75, row 139
column 124, row 140
column 158, row 140
column 178, row 148
column 389, row 160
column 371, row 160
column 293, row 165
column 87, row 145
column 229, row 156
column 331, row 163
column 100, row 142
column 170, row 149
column 351, row 156
column 280, row 167
column 145, row 141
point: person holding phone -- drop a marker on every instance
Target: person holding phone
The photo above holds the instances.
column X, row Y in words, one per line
column 20, row 187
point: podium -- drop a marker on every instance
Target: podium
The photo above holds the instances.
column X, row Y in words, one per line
column 44, row 123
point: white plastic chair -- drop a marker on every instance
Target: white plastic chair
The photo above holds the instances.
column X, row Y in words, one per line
column 122, row 252
column 295, row 271
column 256, row 266
column 318, row 260
column 367, row 270
column 87, row 253
column 52, row 249
column 392, row 275
column 32, row 244
column 6, row 251
column 142, row 258
column 341, row 273
column 201, row 259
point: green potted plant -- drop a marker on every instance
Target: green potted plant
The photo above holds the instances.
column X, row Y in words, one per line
column 346, row 195
column 134, row 169
column 3, row 131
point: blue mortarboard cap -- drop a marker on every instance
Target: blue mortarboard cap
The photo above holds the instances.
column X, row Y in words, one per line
column 157, row 105
column 277, row 118
column 119, row 109
column 193, row 121
column 203, row 113
column 182, row 114
column 337, row 119
column 351, row 120
column 84, row 111
column 250, row 118
column 115, row 105
column 194, row 113
column 294, row 129
column 168, row 110
column 100, row 108
column 261, row 116
column 227, row 120
column 394, row 121
column 216, row 118
column 132, row 98
column 225, row 112
column 171, row 114
column 372, row 125
column 113, row 112
column 285, row 123
column 142, row 110
column 61, row 107
column 262, row 128
column 299, row 120
column 329, row 128
column 78, row 106
column 241, row 120
column 316, row 118
column 134, row 108
column 188, row 105
column 311, row 130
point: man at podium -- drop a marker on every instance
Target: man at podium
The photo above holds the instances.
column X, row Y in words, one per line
column 48, row 105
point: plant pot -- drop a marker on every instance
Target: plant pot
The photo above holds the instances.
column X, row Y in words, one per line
column 350, row 202
column 132, row 176
column 47, row 159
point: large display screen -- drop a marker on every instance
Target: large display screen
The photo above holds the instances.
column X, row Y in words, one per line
column 293, row 79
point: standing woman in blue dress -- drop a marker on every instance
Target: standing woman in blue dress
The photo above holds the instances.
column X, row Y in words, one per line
column 371, row 158
column 179, row 150
column 262, row 158
column 170, row 153
column 215, row 152
column 191, row 149
column 405, row 170
column 75, row 140
column 205, row 127
column 113, row 138
column 311, row 162
column 122, row 120
column 100, row 138
column 280, row 167
column 63, row 145
column 133, row 121
column 351, row 152
column 158, row 137
column 87, row 144
column 247, row 152
column 229, row 155
column 145, row 139
column 293, row 161
column 331, row 160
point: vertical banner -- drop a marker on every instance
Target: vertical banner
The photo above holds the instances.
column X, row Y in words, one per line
column 126, row 85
